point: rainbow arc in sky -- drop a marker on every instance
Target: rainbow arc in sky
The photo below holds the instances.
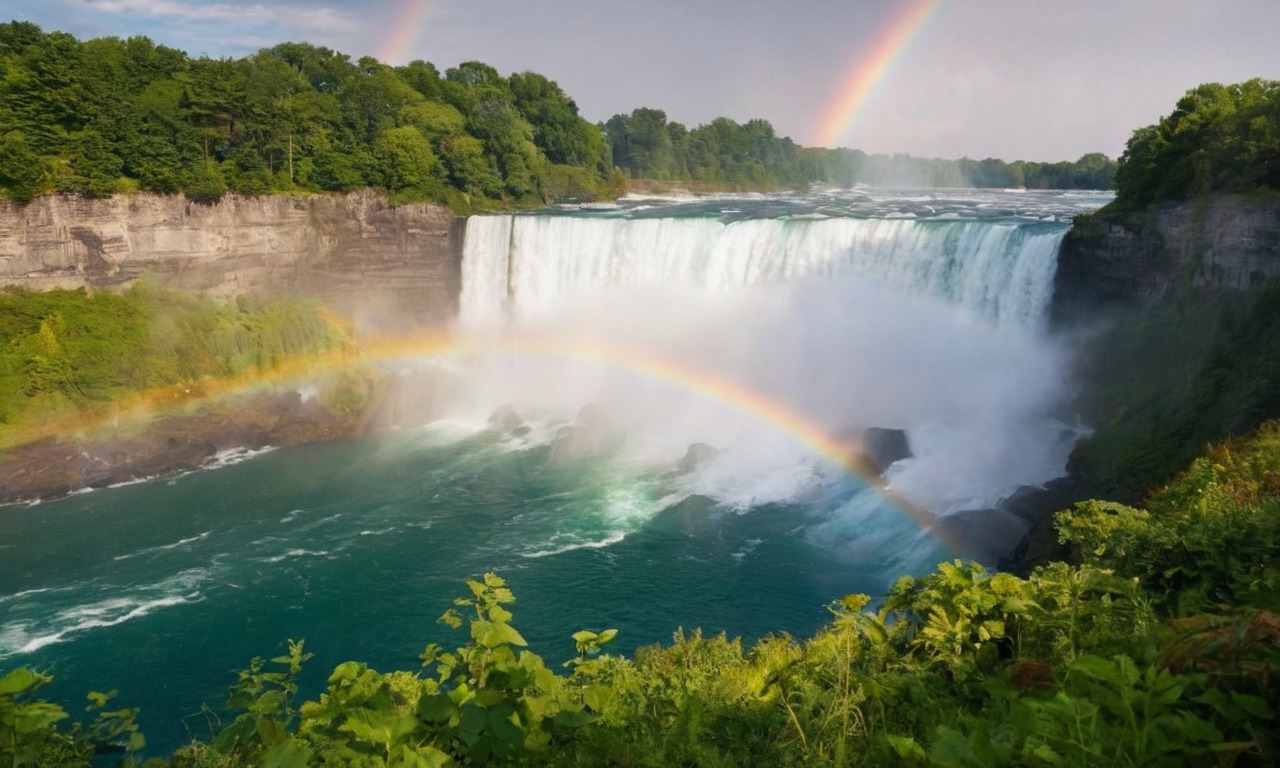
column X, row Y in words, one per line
column 871, row 69
column 406, row 25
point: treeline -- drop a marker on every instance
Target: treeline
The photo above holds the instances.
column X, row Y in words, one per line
column 67, row 352
column 111, row 115
column 1219, row 139
column 108, row 116
column 645, row 145
column 1157, row 645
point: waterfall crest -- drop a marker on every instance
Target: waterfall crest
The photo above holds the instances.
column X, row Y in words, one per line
column 1001, row 271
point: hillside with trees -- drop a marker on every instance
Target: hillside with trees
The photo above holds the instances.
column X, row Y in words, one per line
column 108, row 116
column 1218, row 139
column 646, row 145
column 1188, row 357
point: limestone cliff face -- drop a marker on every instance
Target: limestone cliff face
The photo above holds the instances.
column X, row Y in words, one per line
column 389, row 267
column 1139, row 259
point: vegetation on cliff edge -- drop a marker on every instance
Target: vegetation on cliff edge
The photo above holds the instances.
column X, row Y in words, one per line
column 1218, row 139
column 70, row 352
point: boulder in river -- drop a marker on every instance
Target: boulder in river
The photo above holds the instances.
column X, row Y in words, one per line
column 698, row 455
column 505, row 418
column 882, row 447
column 592, row 433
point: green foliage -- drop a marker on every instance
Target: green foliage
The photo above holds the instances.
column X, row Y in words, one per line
column 1208, row 538
column 1166, row 384
column 109, row 115
column 71, row 350
column 29, row 727
column 1218, row 139
column 265, row 700
column 723, row 153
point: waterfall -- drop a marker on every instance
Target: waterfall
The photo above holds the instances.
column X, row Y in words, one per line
column 526, row 265
column 923, row 320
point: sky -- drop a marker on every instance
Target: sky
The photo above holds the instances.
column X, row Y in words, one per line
column 1040, row 80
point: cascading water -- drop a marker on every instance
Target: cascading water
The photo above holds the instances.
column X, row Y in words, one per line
column 922, row 312
column 998, row 270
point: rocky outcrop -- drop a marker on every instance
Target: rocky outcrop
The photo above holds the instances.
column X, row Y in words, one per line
column 390, row 267
column 1128, row 259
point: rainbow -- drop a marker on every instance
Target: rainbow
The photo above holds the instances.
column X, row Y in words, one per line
column 725, row 391
column 870, row 69
column 435, row 346
column 405, row 27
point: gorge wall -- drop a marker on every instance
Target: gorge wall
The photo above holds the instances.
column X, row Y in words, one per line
column 390, row 268
column 1136, row 259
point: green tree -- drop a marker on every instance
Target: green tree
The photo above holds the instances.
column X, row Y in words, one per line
column 406, row 162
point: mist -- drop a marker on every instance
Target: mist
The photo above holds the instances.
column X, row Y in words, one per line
column 981, row 403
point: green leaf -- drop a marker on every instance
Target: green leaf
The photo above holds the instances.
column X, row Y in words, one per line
column 20, row 680
column 572, row 719
column 906, row 747
column 436, row 708
column 287, row 754
column 1253, row 705
column 598, row 697
column 136, row 742
column 1097, row 668
column 1200, row 730
column 495, row 634
column 951, row 749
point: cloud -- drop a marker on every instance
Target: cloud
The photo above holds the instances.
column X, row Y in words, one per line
column 317, row 18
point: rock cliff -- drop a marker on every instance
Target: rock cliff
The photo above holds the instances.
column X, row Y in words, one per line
column 393, row 268
column 1137, row 259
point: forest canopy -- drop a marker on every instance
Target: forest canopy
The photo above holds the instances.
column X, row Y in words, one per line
column 110, row 115
column 1218, row 139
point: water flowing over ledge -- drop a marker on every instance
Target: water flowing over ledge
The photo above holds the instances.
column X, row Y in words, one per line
column 527, row 265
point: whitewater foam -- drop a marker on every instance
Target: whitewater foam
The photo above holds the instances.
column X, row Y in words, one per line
column 164, row 547
column 609, row 540
column 27, row 634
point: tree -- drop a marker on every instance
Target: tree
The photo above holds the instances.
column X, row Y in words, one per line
column 23, row 174
column 406, row 162
column 1218, row 139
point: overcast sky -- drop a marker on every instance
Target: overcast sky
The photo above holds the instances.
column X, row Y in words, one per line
column 1013, row 79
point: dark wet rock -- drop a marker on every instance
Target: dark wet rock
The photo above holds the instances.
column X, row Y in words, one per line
column 698, row 455
column 990, row 536
column 505, row 418
column 1037, row 506
column 882, row 447
column 592, row 433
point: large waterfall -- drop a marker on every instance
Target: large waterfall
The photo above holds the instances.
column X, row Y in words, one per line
column 923, row 312
column 527, row 265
